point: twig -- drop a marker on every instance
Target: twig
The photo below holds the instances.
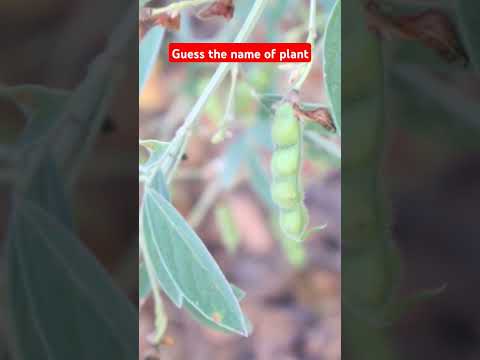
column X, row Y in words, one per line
column 169, row 162
column 223, row 132
column 203, row 205
column 153, row 281
column 312, row 35
column 324, row 144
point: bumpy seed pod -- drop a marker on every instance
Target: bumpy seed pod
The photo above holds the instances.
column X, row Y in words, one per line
column 286, row 188
column 293, row 222
column 286, row 162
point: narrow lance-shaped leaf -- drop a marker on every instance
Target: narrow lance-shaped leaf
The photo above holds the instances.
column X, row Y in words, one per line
column 145, row 287
column 187, row 266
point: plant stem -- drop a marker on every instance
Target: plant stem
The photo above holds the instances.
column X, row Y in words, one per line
column 324, row 143
column 204, row 204
column 228, row 116
column 312, row 34
column 153, row 281
column 169, row 162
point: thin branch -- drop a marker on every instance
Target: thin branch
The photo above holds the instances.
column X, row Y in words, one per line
column 312, row 35
column 170, row 161
column 228, row 117
column 205, row 203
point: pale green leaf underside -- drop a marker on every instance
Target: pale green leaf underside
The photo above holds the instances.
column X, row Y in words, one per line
column 145, row 287
column 155, row 150
column 185, row 269
column 332, row 66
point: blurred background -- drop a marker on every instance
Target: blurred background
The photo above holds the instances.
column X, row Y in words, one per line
column 431, row 170
column 293, row 290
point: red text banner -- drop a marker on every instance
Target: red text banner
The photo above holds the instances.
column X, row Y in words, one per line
column 241, row 52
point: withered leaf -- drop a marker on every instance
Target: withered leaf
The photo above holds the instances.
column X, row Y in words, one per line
column 431, row 27
column 319, row 115
column 170, row 22
column 223, row 8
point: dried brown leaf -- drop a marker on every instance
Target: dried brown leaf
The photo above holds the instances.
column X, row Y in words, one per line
column 431, row 27
column 320, row 116
column 168, row 21
column 223, row 8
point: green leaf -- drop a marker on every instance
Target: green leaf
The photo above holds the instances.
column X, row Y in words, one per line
column 155, row 150
column 183, row 262
column 145, row 287
column 148, row 52
column 197, row 315
column 332, row 63
column 40, row 104
column 239, row 293
column 164, row 277
column 51, row 275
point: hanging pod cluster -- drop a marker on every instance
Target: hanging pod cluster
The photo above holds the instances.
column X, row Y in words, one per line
column 286, row 188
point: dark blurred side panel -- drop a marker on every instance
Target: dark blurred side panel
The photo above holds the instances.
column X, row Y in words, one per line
column 410, row 180
column 68, row 179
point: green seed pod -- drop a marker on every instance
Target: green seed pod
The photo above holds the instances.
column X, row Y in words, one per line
column 286, row 161
column 286, row 189
column 285, row 128
column 293, row 222
column 285, row 193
